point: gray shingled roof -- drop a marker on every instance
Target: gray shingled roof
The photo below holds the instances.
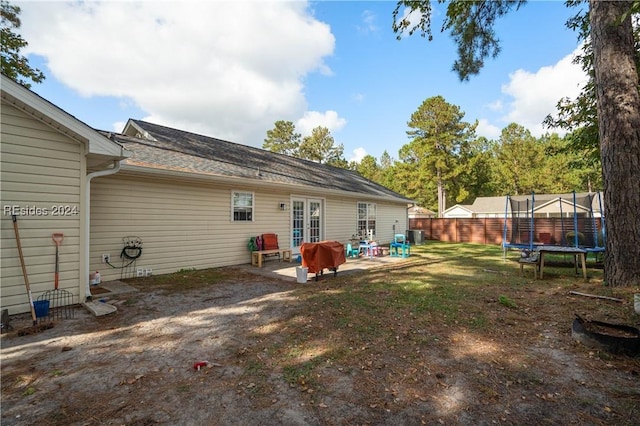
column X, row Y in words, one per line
column 488, row 205
column 165, row 148
column 498, row 204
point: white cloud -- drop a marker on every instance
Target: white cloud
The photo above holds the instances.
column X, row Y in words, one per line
column 535, row 95
column 495, row 105
column 487, row 129
column 358, row 154
column 226, row 69
column 368, row 23
column 358, row 97
column 313, row 119
column 118, row 126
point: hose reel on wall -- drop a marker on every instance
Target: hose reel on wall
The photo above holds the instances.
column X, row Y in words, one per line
column 131, row 251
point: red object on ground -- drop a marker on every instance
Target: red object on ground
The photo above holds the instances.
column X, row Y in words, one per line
column 322, row 255
column 198, row 365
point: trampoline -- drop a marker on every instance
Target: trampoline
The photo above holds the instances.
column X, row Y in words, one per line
column 562, row 220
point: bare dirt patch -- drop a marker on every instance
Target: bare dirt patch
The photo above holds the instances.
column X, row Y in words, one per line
column 435, row 342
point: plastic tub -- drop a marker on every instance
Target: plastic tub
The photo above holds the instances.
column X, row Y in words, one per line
column 301, row 274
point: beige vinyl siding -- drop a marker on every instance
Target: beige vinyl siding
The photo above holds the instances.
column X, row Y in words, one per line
column 182, row 224
column 341, row 219
column 187, row 224
column 40, row 169
column 387, row 214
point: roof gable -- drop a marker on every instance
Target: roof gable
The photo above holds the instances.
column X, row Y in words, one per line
column 457, row 209
column 39, row 108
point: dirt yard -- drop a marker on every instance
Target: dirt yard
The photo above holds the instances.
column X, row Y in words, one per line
column 349, row 350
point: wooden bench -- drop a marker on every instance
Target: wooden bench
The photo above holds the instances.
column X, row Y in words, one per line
column 257, row 256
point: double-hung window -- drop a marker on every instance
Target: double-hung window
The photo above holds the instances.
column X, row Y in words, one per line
column 366, row 219
column 242, row 206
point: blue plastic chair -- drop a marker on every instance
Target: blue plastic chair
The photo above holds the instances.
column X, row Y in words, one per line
column 351, row 252
column 400, row 246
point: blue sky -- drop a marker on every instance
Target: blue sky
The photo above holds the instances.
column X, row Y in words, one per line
column 231, row 69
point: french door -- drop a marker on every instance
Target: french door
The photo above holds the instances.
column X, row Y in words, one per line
column 306, row 222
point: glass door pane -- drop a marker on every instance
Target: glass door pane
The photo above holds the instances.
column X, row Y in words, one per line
column 297, row 230
column 315, row 221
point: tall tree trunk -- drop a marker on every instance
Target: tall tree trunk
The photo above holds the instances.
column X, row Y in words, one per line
column 618, row 102
column 440, row 193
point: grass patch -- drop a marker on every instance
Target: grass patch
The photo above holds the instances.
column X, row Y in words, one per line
column 423, row 307
column 301, row 375
column 182, row 280
column 506, row 301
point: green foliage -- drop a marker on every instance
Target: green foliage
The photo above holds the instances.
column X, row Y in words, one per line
column 339, row 162
column 476, row 179
column 283, row 139
column 518, row 158
column 470, row 24
column 14, row 65
column 522, row 164
column 321, row 147
column 438, row 151
column 515, row 163
column 368, row 168
column 579, row 116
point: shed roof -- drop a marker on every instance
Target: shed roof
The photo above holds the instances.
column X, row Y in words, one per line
column 419, row 210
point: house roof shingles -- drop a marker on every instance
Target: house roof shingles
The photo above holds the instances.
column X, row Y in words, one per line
column 165, row 148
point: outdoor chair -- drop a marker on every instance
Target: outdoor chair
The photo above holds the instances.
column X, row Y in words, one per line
column 270, row 242
column 400, row 246
column 352, row 252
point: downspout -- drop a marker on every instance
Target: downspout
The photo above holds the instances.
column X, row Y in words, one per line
column 87, row 227
column 532, row 222
column 504, row 228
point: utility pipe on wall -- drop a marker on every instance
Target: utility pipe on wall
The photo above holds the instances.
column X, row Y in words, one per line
column 87, row 227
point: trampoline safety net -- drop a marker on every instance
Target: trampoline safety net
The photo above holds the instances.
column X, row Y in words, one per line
column 569, row 220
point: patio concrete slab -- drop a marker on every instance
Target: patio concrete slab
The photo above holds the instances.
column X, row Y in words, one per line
column 111, row 288
column 99, row 308
column 287, row 270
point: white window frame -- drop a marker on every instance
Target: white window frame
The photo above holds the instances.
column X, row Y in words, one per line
column 367, row 208
column 251, row 208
